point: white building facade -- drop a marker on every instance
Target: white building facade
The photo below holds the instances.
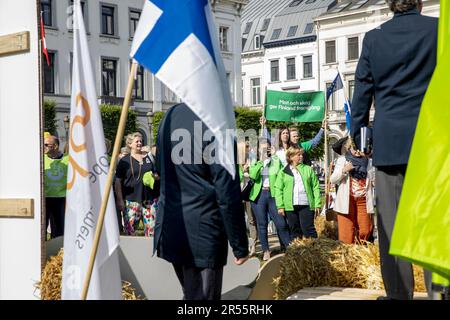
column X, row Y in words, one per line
column 274, row 60
column 257, row 18
column 279, row 48
column 110, row 25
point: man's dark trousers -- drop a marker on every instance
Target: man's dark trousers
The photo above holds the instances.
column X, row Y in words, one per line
column 55, row 215
column 398, row 276
column 200, row 283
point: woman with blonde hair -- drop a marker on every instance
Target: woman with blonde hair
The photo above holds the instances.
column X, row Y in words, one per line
column 134, row 199
column 297, row 194
column 354, row 176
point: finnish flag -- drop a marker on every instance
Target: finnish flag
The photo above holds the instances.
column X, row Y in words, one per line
column 176, row 40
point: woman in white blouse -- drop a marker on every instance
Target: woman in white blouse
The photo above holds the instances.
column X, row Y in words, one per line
column 354, row 175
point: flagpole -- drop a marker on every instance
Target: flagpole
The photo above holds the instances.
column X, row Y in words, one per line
column 326, row 155
column 264, row 108
column 115, row 155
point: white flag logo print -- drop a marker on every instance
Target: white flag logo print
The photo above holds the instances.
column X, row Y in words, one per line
column 86, row 181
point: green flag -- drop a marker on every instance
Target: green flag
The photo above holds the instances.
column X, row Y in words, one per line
column 294, row 107
column 422, row 228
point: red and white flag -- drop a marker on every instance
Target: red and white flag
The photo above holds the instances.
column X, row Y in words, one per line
column 44, row 44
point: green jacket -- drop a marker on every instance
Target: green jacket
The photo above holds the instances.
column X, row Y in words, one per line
column 255, row 171
column 55, row 176
column 241, row 174
column 284, row 187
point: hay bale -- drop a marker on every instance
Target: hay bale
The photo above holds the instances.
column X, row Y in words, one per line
column 51, row 278
column 326, row 229
column 326, row 262
column 51, row 281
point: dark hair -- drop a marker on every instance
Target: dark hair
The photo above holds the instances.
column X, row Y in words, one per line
column 280, row 143
column 403, row 5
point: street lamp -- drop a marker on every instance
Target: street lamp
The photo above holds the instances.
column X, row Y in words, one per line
column 150, row 123
column 66, row 128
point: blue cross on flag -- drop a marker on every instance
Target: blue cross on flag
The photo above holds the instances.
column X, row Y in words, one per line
column 335, row 86
column 177, row 41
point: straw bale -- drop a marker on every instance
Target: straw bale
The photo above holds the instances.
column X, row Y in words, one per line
column 51, row 280
column 327, row 262
column 326, row 229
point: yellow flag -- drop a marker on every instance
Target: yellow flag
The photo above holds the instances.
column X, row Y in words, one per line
column 422, row 228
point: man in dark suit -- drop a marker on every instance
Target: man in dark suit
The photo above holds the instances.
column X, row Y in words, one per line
column 394, row 70
column 200, row 207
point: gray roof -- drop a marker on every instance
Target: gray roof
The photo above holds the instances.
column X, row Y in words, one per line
column 301, row 16
column 355, row 5
column 254, row 13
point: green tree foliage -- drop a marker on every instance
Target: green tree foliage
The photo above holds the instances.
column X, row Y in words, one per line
column 157, row 117
column 111, row 117
column 50, row 117
column 247, row 118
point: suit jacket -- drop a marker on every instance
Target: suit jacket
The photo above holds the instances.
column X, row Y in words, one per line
column 200, row 204
column 394, row 70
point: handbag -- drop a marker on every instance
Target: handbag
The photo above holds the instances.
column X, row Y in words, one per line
column 247, row 190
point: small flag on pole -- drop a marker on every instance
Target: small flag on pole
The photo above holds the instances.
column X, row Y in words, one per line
column 44, row 43
column 348, row 112
column 86, row 180
column 335, row 86
column 177, row 41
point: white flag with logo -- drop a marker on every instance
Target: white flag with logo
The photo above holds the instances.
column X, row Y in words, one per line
column 86, row 181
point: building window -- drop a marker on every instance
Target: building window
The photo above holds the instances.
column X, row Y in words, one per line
column 134, row 20
column 309, row 28
column 332, row 100
column 108, row 20
column 223, row 38
column 109, row 77
column 248, row 26
column 256, row 91
column 275, row 34
column 257, row 42
column 310, row 1
column 307, row 67
column 265, row 24
column 47, row 12
column 292, row 31
column 295, row 3
column 351, row 89
column 274, row 70
column 49, row 73
column 244, row 41
column 353, row 48
column 330, row 51
column 138, row 90
column 290, row 68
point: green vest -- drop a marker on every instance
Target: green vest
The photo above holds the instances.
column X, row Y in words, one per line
column 284, row 187
column 255, row 173
column 55, row 176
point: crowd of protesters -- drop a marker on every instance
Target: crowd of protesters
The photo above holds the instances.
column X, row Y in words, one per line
column 395, row 67
column 136, row 201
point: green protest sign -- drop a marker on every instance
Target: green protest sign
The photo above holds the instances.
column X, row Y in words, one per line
column 295, row 107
